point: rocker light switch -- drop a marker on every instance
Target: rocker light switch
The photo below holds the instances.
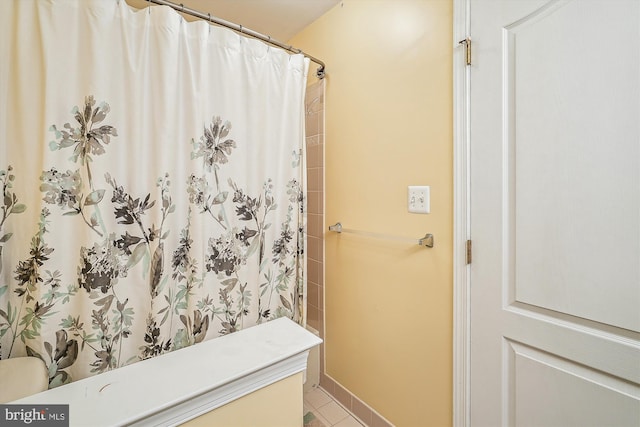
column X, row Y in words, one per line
column 418, row 199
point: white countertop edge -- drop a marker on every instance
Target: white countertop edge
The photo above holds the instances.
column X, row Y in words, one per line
column 194, row 407
column 181, row 385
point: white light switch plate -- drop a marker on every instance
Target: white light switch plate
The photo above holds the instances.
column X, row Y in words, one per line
column 418, row 199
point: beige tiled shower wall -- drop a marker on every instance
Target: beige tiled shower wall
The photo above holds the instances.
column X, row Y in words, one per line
column 314, row 110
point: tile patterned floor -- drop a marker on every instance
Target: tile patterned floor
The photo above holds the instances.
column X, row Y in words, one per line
column 327, row 410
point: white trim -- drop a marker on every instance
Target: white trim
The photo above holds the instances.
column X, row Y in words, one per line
column 173, row 388
column 462, row 217
column 215, row 398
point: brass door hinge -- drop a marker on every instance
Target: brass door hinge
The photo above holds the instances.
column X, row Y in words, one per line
column 467, row 44
column 468, row 251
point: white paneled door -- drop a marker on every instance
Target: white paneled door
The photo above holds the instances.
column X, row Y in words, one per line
column 555, row 213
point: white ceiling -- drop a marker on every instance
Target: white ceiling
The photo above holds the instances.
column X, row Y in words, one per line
column 280, row 19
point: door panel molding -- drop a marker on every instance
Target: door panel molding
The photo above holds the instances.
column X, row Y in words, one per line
column 529, row 369
column 580, row 323
column 557, row 173
column 616, row 355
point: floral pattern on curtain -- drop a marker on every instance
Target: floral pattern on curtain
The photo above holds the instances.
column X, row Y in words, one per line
column 152, row 179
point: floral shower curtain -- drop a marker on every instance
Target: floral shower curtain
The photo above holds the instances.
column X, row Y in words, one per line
column 152, row 180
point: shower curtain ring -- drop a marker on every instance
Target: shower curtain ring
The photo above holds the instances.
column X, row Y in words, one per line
column 182, row 7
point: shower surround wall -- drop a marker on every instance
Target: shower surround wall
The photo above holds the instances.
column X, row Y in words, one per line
column 314, row 117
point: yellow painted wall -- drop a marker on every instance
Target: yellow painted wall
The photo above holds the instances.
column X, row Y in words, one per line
column 388, row 305
column 277, row 405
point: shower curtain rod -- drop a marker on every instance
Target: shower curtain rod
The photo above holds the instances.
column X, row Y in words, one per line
column 239, row 28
